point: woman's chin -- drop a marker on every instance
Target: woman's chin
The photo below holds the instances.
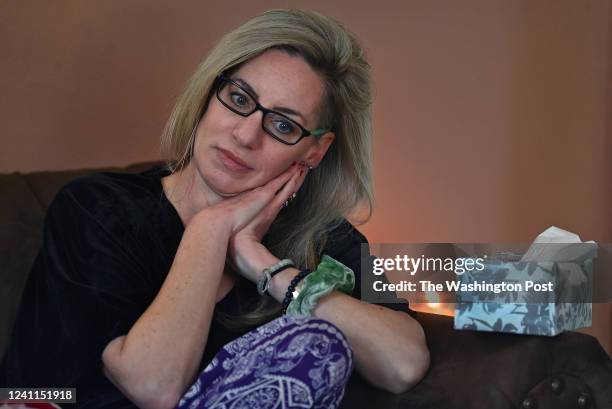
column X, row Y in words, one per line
column 224, row 186
column 228, row 190
column 227, row 195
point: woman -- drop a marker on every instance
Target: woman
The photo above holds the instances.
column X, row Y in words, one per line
column 143, row 278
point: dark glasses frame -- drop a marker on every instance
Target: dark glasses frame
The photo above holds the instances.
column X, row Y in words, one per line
column 222, row 80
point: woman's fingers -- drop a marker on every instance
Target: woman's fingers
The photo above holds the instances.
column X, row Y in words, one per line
column 276, row 184
column 248, row 205
column 289, row 189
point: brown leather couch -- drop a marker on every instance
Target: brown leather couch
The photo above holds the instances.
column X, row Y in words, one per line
column 468, row 369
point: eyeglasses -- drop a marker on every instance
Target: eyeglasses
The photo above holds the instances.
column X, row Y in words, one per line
column 241, row 102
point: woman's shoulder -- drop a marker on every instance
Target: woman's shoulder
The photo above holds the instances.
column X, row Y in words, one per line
column 98, row 190
column 108, row 186
column 343, row 230
column 343, row 237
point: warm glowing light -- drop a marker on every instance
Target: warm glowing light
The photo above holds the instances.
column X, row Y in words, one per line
column 433, row 300
column 434, row 305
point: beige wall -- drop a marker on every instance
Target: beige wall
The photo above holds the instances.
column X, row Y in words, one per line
column 492, row 119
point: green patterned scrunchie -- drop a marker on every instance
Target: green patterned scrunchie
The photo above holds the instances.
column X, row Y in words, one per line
column 330, row 275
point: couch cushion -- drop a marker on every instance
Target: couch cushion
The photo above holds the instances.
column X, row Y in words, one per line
column 21, row 216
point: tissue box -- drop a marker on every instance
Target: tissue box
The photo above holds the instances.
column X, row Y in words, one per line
column 523, row 310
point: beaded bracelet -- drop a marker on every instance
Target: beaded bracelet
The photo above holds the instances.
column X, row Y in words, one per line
column 291, row 289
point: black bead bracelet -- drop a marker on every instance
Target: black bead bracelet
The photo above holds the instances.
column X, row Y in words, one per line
column 291, row 289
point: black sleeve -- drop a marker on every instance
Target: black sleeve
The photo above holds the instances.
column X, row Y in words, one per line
column 88, row 285
column 350, row 247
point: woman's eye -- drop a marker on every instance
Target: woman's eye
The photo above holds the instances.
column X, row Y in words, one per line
column 239, row 99
column 285, row 127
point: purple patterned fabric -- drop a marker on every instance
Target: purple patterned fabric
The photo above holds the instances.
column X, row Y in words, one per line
column 290, row 362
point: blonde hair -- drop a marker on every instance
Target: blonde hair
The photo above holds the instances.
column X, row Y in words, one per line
column 343, row 179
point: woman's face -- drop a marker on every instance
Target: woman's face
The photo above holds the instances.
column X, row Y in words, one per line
column 233, row 153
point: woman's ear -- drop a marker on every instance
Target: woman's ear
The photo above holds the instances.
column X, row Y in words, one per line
column 317, row 151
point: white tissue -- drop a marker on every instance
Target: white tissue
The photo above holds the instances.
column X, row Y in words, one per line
column 567, row 248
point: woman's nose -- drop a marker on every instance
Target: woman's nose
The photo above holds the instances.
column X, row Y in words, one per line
column 248, row 131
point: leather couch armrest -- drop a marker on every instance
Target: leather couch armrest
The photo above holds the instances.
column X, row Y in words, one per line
column 472, row 369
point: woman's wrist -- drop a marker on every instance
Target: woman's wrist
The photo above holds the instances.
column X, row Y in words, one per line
column 280, row 283
column 330, row 275
column 209, row 219
column 277, row 287
column 256, row 262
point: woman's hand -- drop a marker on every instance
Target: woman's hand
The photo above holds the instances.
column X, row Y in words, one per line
column 246, row 252
column 238, row 211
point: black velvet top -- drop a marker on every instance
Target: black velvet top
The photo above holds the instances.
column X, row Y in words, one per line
column 109, row 241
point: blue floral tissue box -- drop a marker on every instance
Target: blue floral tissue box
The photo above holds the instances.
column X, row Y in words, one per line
column 540, row 298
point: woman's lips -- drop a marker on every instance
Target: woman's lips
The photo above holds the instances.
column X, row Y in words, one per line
column 232, row 162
